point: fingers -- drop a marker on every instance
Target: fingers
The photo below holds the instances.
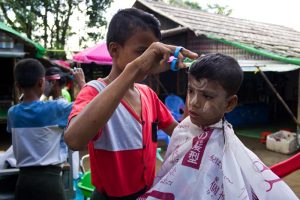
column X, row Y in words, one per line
column 164, row 62
column 189, row 54
column 183, row 52
column 180, row 54
column 77, row 70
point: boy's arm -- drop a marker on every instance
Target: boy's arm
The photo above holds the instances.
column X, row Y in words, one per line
column 169, row 130
column 166, row 121
column 94, row 116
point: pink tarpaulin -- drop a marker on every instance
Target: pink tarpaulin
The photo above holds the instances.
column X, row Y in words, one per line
column 97, row 54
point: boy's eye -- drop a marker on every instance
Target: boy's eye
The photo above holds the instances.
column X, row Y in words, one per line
column 189, row 90
column 140, row 50
column 208, row 97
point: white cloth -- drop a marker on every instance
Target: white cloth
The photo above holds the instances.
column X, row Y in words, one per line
column 75, row 164
column 7, row 157
column 212, row 163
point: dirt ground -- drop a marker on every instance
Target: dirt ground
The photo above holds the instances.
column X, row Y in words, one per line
column 268, row 157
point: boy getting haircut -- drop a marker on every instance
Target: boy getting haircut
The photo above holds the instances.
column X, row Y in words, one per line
column 229, row 76
column 205, row 159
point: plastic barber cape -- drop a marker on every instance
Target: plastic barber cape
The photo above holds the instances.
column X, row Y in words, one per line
column 212, row 163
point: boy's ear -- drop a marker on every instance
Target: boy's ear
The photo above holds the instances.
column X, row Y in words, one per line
column 40, row 82
column 231, row 103
column 113, row 49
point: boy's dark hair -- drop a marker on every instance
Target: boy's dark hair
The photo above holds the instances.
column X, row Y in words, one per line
column 125, row 22
column 55, row 70
column 221, row 68
column 27, row 72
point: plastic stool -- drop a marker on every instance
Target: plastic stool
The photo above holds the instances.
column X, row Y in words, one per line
column 161, row 135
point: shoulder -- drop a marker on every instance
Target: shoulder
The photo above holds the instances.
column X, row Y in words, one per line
column 146, row 90
column 92, row 88
column 62, row 102
column 187, row 128
column 12, row 108
column 11, row 111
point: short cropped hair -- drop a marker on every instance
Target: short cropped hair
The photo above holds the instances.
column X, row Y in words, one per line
column 221, row 68
column 55, row 70
column 27, row 72
column 125, row 22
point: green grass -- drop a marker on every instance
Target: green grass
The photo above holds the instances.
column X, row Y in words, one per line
column 255, row 130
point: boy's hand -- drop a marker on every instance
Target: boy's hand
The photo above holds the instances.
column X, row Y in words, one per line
column 155, row 59
column 79, row 77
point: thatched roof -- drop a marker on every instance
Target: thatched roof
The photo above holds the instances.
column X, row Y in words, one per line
column 269, row 38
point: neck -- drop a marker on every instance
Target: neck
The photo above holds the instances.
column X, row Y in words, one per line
column 30, row 95
column 112, row 76
column 57, row 94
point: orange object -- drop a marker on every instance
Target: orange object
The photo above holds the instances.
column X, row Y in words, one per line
column 263, row 136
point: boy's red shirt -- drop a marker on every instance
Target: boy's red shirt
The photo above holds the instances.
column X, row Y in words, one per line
column 123, row 154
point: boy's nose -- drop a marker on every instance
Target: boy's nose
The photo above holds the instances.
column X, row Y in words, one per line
column 196, row 101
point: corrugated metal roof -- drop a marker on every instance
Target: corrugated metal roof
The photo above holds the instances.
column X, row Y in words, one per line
column 40, row 51
column 271, row 38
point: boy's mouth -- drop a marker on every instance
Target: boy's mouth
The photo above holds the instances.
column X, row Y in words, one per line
column 193, row 114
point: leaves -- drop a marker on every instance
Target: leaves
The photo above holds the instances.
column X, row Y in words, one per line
column 215, row 8
column 48, row 21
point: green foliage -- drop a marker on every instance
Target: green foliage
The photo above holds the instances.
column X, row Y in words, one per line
column 193, row 5
column 215, row 8
column 48, row 21
column 95, row 10
column 222, row 10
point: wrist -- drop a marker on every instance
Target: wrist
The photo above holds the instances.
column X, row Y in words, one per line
column 80, row 84
column 131, row 71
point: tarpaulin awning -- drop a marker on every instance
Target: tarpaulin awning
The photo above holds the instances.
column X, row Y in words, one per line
column 266, row 66
column 97, row 54
column 40, row 51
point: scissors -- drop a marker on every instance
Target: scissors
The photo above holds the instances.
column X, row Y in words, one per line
column 174, row 60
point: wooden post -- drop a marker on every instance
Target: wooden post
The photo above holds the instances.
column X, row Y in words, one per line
column 298, row 113
column 278, row 96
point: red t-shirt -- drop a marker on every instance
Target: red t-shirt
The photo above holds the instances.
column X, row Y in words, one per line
column 123, row 154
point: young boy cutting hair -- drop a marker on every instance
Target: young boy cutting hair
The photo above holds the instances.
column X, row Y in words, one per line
column 116, row 117
column 205, row 159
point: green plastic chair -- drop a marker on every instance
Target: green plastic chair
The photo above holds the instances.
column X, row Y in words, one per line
column 85, row 185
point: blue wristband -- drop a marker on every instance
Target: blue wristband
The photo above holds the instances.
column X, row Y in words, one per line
column 175, row 60
column 177, row 50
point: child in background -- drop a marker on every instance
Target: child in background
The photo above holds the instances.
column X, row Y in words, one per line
column 205, row 160
column 56, row 81
column 118, row 118
column 37, row 130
